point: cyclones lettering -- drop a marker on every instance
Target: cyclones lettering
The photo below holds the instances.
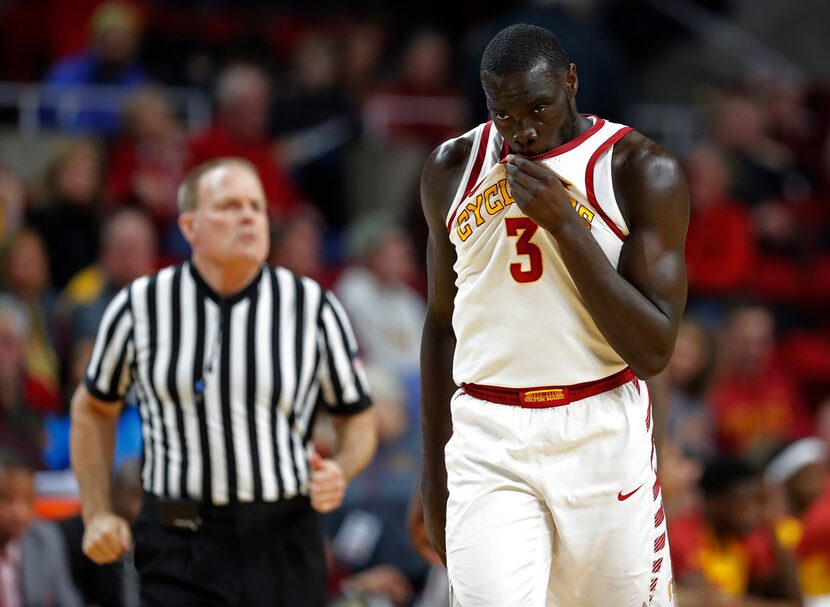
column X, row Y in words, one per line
column 496, row 198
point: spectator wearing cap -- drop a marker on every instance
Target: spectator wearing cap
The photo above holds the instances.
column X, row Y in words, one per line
column 802, row 470
column 109, row 60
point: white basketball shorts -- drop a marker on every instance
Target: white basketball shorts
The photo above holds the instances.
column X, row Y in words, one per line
column 556, row 507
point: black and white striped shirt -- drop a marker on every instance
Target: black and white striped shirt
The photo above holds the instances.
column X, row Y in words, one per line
column 227, row 387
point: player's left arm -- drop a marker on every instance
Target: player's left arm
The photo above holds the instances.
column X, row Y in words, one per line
column 638, row 306
column 650, row 186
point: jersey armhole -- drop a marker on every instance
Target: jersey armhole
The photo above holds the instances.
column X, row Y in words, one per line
column 621, row 231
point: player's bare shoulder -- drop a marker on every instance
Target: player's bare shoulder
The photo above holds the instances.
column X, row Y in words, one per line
column 647, row 174
column 442, row 175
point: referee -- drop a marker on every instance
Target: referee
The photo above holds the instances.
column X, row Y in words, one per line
column 229, row 359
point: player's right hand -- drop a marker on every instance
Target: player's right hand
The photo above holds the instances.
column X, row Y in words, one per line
column 106, row 537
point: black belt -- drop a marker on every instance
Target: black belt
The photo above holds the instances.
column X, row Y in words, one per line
column 190, row 515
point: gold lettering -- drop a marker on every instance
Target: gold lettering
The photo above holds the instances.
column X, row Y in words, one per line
column 492, row 202
column 543, row 396
column 464, row 230
column 586, row 214
column 476, row 208
column 508, row 199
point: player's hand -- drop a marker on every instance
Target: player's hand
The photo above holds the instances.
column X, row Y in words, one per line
column 418, row 530
column 328, row 484
column 106, row 538
column 540, row 194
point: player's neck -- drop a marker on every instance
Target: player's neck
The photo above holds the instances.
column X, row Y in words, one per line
column 573, row 127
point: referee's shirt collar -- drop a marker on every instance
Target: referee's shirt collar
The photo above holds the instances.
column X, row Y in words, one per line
column 204, row 287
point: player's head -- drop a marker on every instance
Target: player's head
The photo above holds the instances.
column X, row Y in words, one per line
column 530, row 86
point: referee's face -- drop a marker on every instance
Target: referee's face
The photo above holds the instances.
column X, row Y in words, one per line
column 230, row 223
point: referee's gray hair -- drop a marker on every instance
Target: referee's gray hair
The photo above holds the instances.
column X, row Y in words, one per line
column 187, row 197
column 16, row 312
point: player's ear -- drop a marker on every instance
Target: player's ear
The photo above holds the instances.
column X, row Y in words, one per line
column 571, row 81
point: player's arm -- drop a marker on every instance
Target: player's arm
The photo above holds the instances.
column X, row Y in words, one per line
column 638, row 308
column 439, row 180
column 92, row 444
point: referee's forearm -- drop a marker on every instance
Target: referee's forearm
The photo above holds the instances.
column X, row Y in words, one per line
column 92, row 443
column 356, row 442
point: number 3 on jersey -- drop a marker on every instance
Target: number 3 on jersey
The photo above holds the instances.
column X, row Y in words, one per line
column 524, row 229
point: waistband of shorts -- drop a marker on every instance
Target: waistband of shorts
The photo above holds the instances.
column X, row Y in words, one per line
column 544, row 397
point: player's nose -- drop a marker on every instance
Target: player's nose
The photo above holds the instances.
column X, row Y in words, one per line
column 524, row 138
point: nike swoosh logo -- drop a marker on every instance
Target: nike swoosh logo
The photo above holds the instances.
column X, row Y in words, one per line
column 624, row 496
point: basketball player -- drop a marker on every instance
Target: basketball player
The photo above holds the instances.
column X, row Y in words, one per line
column 556, row 286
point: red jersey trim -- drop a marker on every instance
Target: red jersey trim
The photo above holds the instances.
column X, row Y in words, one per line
column 569, row 145
column 473, row 178
column 589, row 179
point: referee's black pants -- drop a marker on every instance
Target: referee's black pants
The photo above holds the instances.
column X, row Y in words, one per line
column 245, row 555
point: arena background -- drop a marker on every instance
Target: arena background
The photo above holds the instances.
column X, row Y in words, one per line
column 104, row 106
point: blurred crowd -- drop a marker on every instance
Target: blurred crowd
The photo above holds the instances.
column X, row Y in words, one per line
column 338, row 111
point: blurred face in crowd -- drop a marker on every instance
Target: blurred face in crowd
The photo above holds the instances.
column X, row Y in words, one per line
column 150, row 117
column 229, row 226
column 748, row 341
column 17, row 499
column 426, row 63
column 244, row 98
column 363, row 55
column 129, row 248
column 392, row 260
column 739, row 123
column 117, row 45
column 737, row 510
column 807, row 485
column 78, row 177
column 708, row 177
column 299, row 248
column 316, row 63
column 27, row 268
column 690, row 355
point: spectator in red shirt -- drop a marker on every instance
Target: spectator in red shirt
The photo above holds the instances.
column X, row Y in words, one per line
column 421, row 105
column 147, row 165
column 720, row 248
column 242, row 129
column 756, row 404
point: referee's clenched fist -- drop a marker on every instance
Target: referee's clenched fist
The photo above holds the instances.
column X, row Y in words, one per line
column 106, row 538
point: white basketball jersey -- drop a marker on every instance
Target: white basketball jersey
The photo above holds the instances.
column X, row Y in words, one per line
column 519, row 319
